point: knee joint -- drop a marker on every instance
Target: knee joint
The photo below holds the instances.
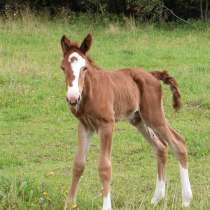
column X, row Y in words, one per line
column 79, row 167
column 181, row 150
column 105, row 170
column 162, row 155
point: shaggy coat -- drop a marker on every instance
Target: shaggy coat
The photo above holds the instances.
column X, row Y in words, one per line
column 100, row 98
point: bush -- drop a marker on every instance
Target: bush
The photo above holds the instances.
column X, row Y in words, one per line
column 155, row 10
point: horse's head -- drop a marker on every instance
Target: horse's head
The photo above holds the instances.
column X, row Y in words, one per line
column 74, row 66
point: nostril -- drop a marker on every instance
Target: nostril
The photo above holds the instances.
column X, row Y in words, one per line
column 72, row 101
column 79, row 98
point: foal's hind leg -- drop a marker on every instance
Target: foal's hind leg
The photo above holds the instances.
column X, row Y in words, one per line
column 161, row 153
column 179, row 147
column 152, row 112
column 160, row 149
column 181, row 154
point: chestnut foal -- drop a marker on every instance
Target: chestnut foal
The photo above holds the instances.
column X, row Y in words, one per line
column 100, row 98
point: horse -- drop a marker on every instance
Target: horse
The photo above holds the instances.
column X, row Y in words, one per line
column 99, row 99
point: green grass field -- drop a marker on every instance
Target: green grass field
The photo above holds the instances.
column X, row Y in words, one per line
column 38, row 133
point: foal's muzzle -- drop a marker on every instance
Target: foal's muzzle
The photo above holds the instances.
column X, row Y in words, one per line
column 73, row 101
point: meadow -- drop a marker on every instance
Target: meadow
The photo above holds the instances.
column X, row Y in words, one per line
column 38, row 133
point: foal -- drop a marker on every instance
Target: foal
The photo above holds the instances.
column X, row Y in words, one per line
column 99, row 99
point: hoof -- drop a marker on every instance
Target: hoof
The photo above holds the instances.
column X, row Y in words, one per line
column 107, row 209
column 159, row 193
column 158, row 196
column 69, row 206
column 185, row 204
column 186, row 198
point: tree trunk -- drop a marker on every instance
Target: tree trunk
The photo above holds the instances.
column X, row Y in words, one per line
column 206, row 10
column 201, row 9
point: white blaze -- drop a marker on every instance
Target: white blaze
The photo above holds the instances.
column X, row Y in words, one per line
column 107, row 202
column 186, row 188
column 76, row 65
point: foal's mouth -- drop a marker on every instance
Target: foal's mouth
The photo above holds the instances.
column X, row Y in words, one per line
column 73, row 103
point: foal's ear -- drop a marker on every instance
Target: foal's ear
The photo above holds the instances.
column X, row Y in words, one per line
column 86, row 44
column 65, row 44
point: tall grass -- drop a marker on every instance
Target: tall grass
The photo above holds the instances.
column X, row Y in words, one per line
column 38, row 134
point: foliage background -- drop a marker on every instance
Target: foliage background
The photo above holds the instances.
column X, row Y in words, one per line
column 142, row 10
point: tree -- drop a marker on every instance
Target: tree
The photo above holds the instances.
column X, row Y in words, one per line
column 204, row 10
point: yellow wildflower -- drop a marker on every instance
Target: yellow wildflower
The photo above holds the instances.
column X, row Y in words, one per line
column 45, row 194
column 73, row 206
column 51, row 173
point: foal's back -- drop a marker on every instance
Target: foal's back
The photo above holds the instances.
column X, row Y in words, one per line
column 128, row 85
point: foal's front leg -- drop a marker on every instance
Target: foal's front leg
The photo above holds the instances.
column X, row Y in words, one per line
column 79, row 165
column 105, row 165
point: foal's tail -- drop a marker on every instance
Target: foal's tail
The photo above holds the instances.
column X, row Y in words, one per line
column 169, row 80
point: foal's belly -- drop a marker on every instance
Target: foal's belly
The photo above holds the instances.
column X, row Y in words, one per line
column 126, row 115
column 125, row 109
column 126, row 95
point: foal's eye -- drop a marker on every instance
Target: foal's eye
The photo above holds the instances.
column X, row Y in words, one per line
column 84, row 68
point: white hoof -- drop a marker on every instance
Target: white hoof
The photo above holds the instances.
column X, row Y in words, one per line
column 186, row 187
column 159, row 193
column 186, row 198
column 158, row 196
column 107, row 203
column 107, row 209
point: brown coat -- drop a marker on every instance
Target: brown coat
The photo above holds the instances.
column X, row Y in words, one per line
column 106, row 97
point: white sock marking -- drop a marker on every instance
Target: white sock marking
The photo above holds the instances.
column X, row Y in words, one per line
column 76, row 65
column 107, row 202
column 159, row 193
column 186, row 188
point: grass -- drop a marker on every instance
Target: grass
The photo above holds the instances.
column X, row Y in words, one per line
column 38, row 134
